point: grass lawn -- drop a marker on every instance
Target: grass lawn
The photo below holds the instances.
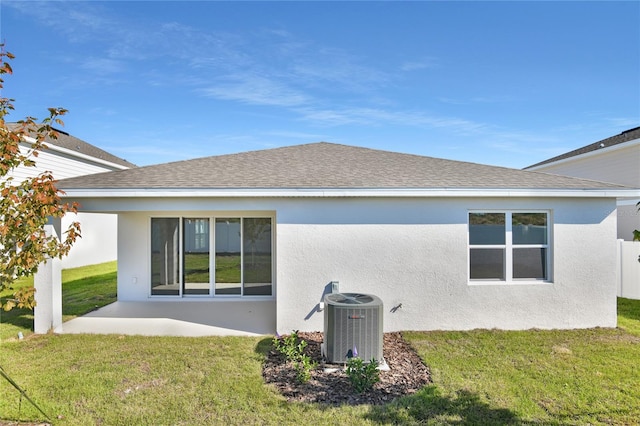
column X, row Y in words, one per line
column 569, row 377
column 83, row 290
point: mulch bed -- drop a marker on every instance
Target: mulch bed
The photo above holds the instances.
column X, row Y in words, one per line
column 406, row 376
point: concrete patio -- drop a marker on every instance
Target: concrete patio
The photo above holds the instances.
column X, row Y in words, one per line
column 178, row 318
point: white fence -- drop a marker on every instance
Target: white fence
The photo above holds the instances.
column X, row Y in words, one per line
column 629, row 269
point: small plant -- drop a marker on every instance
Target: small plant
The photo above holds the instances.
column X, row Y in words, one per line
column 292, row 347
column 304, row 365
column 362, row 376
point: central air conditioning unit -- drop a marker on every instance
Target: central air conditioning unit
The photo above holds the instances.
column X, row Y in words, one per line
column 352, row 322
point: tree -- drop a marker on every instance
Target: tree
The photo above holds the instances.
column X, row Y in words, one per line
column 26, row 206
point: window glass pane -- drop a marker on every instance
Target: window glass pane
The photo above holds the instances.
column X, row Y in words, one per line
column 529, row 228
column 257, row 256
column 196, row 256
column 530, row 263
column 487, row 264
column 228, row 273
column 165, row 256
column 486, row 228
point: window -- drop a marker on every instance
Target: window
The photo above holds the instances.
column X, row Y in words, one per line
column 509, row 246
column 242, row 258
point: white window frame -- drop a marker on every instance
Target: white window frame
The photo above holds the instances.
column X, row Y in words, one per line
column 508, row 247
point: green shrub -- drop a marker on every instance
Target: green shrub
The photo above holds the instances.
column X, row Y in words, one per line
column 304, row 366
column 362, row 376
column 292, row 347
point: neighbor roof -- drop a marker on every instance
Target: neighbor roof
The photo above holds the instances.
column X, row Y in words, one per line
column 626, row 136
column 65, row 140
column 323, row 165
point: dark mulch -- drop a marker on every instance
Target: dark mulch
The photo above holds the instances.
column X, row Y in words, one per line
column 407, row 375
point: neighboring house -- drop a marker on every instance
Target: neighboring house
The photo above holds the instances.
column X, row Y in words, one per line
column 66, row 157
column 615, row 159
column 444, row 244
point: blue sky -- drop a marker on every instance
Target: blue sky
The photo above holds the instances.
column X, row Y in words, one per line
column 502, row 83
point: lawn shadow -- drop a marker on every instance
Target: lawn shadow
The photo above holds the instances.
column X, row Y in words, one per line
column 428, row 405
column 264, row 346
column 22, row 318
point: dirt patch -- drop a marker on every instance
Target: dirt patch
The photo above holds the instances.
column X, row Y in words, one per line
column 407, row 374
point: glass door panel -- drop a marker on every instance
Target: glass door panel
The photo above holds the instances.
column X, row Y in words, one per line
column 228, row 256
column 196, row 256
column 165, row 256
column 257, row 256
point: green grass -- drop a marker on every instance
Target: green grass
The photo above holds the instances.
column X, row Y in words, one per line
column 570, row 377
column 629, row 315
column 83, row 290
column 551, row 377
column 228, row 269
column 16, row 320
column 196, row 268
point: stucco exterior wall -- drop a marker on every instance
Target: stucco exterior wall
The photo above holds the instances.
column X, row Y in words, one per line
column 411, row 252
column 415, row 253
column 99, row 241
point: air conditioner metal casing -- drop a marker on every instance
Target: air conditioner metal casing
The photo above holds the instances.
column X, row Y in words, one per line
column 353, row 321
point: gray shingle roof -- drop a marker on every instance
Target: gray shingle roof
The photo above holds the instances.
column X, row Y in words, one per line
column 324, row 165
column 626, row 136
column 65, row 140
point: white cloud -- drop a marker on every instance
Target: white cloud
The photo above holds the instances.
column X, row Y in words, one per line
column 624, row 122
column 103, row 65
column 491, row 99
column 420, row 64
column 380, row 117
column 256, row 90
column 295, row 135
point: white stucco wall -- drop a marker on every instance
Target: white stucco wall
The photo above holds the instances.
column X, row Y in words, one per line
column 406, row 251
column 415, row 253
column 99, row 241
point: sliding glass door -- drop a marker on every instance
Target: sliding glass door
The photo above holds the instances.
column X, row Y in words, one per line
column 182, row 259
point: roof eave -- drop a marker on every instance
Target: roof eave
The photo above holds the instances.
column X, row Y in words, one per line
column 52, row 147
column 349, row 192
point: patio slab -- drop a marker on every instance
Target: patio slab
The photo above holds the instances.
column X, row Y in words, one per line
column 178, row 318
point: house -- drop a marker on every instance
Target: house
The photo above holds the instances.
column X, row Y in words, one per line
column 65, row 157
column 615, row 159
column 253, row 241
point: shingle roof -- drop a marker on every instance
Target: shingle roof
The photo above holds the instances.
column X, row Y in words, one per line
column 324, row 165
column 626, row 136
column 65, row 140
